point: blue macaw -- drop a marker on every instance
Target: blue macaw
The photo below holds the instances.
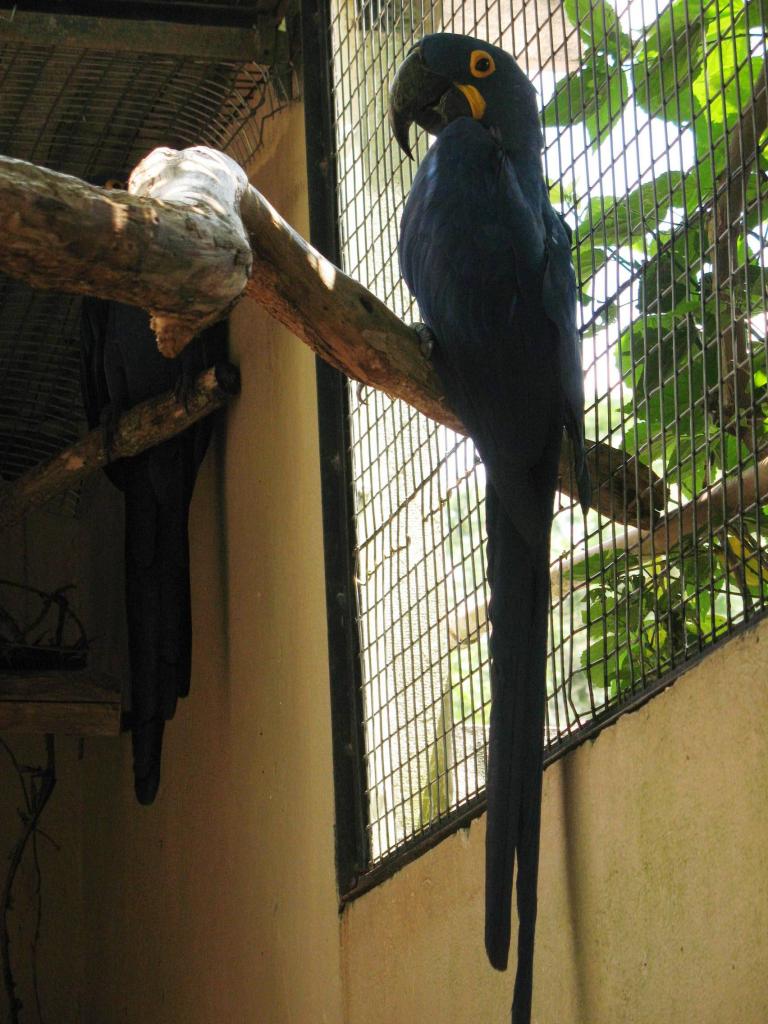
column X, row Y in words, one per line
column 120, row 367
column 488, row 260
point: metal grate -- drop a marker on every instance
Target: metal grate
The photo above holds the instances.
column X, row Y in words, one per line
column 655, row 123
column 95, row 115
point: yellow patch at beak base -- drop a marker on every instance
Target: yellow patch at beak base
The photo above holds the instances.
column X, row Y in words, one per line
column 475, row 100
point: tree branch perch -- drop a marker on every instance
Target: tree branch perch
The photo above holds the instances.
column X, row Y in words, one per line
column 191, row 237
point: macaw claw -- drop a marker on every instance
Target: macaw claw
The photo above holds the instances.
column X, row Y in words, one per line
column 426, row 339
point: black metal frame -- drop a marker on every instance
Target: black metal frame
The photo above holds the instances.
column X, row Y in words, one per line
column 352, row 846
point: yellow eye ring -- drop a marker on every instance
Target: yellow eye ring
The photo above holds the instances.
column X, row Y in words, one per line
column 481, row 64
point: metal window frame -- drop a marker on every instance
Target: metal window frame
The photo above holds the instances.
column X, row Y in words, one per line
column 352, row 845
column 356, row 875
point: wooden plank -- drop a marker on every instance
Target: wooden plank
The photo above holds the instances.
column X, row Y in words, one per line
column 70, row 703
column 205, row 42
column 66, row 687
column 65, row 718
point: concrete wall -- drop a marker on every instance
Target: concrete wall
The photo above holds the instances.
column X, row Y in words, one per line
column 218, row 903
column 49, row 551
column 653, row 888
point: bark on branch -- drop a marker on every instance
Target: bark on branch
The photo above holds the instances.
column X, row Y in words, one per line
column 724, row 226
column 182, row 254
column 141, row 427
column 723, row 502
column 185, row 241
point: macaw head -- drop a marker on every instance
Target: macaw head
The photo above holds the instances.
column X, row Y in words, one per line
column 446, row 76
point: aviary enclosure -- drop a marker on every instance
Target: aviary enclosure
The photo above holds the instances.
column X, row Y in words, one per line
column 655, row 119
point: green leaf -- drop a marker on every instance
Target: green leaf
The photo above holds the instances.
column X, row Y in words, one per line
column 594, row 96
column 577, row 12
column 662, row 89
column 678, row 26
column 599, row 27
column 668, row 57
column 627, row 220
column 757, row 12
column 665, row 285
column 726, row 79
column 588, row 259
column 700, row 180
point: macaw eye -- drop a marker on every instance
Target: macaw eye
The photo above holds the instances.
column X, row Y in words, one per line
column 481, row 64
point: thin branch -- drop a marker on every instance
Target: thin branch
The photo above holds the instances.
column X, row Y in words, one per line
column 38, row 925
column 141, row 427
column 36, row 805
column 715, row 507
column 723, row 225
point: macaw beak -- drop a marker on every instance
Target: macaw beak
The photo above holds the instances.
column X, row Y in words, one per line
column 424, row 97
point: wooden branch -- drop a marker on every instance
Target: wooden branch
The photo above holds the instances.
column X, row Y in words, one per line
column 178, row 247
column 182, row 255
column 723, row 225
column 141, row 427
column 712, row 509
column 354, row 331
column 337, row 317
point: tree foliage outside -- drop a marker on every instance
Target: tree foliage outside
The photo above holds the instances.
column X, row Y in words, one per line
column 686, row 319
column 643, row 104
column 671, row 259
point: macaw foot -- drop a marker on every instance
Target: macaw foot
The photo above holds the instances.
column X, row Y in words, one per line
column 426, row 339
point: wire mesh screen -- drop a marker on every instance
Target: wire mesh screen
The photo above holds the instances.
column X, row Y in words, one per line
column 655, row 120
column 95, row 115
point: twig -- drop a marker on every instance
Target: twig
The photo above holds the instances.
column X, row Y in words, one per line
column 36, row 801
column 141, row 427
column 38, row 925
column 728, row 209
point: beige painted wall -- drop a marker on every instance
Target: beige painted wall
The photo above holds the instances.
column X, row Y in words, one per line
column 49, row 551
column 653, row 889
column 218, row 904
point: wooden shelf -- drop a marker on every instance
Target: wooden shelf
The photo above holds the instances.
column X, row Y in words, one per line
column 73, row 703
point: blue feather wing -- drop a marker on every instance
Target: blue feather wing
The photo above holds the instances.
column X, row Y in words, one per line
column 488, row 260
column 559, row 299
column 472, row 250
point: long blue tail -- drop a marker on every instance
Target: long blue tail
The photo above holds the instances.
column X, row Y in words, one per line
column 518, row 575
